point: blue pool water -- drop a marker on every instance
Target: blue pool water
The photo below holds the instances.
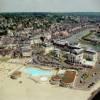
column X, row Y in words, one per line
column 36, row 72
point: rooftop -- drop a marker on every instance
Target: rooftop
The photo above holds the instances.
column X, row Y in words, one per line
column 90, row 51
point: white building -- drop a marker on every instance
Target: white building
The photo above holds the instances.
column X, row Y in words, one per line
column 90, row 58
column 75, row 55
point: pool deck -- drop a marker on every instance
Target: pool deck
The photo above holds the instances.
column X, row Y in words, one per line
column 29, row 90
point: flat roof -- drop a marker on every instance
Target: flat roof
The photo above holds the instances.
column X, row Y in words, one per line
column 90, row 50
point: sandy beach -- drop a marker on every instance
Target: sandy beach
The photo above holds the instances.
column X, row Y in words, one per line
column 29, row 90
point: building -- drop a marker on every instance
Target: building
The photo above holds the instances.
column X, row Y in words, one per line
column 26, row 51
column 90, row 58
column 36, row 41
column 77, row 55
column 57, row 52
column 48, row 48
column 74, row 54
column 10, row 33
column 90, row 54
column 60, row 43
column 98, row 31
column 47, row 36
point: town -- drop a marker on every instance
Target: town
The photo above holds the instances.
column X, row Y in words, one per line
column 62, row 49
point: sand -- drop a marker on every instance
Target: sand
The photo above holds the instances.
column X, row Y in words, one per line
column 29, row 90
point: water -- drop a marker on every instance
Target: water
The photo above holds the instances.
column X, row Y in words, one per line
column 37, row 72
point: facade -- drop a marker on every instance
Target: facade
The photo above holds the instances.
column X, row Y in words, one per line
column 74, row 54
column 75, row 57
column 48, row 48
column 57, row 52
column 90, row 58
column 26, row 51
column 90, row 55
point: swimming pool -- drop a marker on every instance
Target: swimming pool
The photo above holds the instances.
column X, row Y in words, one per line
column 36, row 72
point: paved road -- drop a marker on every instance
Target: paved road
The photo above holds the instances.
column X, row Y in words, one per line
column 76, row 37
